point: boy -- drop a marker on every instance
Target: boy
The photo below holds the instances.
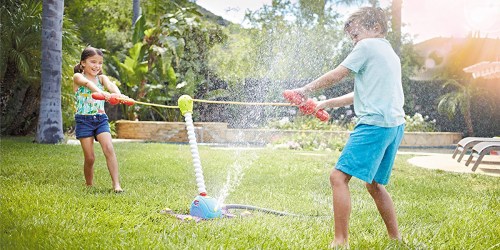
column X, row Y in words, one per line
column 378, row 102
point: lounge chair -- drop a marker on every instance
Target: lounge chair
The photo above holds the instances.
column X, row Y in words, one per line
column 480, row 150
column 464, row 145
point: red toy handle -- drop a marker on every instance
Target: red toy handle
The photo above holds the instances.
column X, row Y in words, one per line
column 293, row 97
column 98, row 96
column 322, row 115
column 114, row 99
column 306, row 106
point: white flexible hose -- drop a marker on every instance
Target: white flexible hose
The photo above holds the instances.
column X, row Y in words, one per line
column 200, row 181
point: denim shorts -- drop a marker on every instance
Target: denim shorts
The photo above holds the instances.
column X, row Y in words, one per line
column 370, row 152
column 91, row 125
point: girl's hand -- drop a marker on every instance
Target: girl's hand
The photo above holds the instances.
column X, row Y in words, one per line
column 107, row 95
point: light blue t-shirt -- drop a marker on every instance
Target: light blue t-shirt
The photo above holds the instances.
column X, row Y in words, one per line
column 378, row 91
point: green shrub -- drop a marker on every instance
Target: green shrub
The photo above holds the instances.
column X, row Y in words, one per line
column 308, row 142
column 305, row 123
column 415, row 123
column 419, row 123
column 302, row 141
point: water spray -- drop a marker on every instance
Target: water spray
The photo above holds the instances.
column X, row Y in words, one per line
column 204, row 206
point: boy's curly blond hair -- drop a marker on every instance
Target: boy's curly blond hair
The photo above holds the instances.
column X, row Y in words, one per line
column 368, row 18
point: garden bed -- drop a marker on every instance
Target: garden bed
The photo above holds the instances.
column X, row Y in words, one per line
column 216, row 132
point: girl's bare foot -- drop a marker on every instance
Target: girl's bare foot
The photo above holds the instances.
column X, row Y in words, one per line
column 118, row 189
column 339, row 245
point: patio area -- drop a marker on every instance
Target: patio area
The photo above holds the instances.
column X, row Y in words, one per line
column 490, row 164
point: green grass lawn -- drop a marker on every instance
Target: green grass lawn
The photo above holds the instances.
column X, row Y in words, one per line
column 44, row 203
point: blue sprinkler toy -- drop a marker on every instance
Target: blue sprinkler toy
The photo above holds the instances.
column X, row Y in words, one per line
column 203, row 206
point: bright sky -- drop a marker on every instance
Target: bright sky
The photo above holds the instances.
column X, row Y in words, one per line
column 424, row 19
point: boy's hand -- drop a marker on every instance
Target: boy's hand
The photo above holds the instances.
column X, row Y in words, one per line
column 295, row 96
column 319, row 110
column 301, row 91
column 321, row 105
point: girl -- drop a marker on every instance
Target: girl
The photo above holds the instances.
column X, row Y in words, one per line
column 91, row 120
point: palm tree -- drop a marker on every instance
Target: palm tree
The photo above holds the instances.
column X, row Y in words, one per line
column 50, row 119
column 136, row 10
column 460, row 98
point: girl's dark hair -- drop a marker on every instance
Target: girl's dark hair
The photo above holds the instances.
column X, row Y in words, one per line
column 368, row 18
column 87, row 52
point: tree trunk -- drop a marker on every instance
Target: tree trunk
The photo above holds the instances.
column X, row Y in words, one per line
column 136, row 10
column 49, row 129
column 396, row 25
column 468, row 119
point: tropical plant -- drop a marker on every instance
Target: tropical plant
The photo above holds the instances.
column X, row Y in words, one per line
column 102, row 24
column 461, row 91
column 20, row 65
column 157, row 68
column 459, row 99
column 153, row 50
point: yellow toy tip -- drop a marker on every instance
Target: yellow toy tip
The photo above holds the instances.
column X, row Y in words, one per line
column 185, row 103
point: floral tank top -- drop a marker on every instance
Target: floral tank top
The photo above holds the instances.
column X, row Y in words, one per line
column 85, row 104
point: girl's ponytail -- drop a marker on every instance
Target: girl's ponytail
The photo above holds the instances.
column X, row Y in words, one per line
column 78, row 68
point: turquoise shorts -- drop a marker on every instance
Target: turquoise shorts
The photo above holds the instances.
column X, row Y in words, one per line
column 370, row 151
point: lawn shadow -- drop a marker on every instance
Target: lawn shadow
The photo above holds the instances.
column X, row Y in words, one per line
column 99, row 190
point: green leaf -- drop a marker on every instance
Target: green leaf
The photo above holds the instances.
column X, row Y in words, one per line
column 140, row 26
column 137, row 51
column 172, row 78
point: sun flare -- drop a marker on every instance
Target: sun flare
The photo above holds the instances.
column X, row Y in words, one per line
column 483, row 15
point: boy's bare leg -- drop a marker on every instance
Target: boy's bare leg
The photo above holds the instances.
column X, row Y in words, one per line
column 89, row 158
column 341, row 206
column 107, row 147
column 385, row 207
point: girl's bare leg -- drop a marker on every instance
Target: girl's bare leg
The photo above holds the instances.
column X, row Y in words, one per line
column 341, row 206
column 385, row 207
column 111, row 161
column 89, row 158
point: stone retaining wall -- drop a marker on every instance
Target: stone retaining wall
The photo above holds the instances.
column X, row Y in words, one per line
column 214, row 132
